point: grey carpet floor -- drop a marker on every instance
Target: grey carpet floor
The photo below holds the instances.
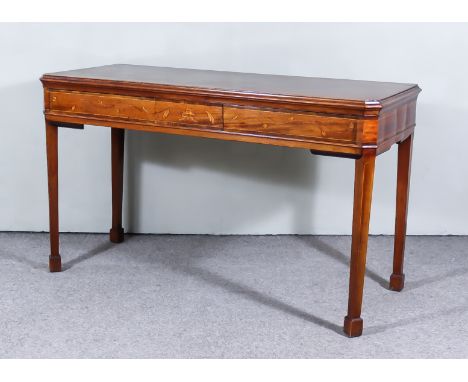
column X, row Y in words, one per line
column 228, row 297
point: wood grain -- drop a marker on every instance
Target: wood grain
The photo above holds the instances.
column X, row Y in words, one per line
column 363, row 185
column 55, row 262
column 234, row 83
column 397, row 279
column 321, row 95
column 345, row 149
column 275, row 123
column 162, row 113
column 130, row 108
column 185, row 114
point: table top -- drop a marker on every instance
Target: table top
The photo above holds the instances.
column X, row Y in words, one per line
column 325, row 115
column 233, row 83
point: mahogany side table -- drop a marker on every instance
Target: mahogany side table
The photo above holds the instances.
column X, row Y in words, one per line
column 343, row 118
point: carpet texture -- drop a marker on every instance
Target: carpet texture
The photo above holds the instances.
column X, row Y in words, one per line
column 164, row 296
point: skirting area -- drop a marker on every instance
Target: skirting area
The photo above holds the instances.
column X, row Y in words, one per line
column 164, row 296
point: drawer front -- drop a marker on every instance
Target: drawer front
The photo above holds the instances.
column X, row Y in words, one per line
column 185, row 114
column 103, row 105
column 275, row 123
column 161, row 113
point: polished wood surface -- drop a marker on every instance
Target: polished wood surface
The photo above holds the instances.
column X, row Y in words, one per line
column 405, row 148
column 363, row 182
column 343, row 118
column 201, row 103
column 280, row 124
column 55, row 262
column 185, row 114
column 116, row 233
column 131, row 108
column 232, row 83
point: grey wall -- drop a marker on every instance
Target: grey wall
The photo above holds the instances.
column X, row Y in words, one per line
column 193, row 185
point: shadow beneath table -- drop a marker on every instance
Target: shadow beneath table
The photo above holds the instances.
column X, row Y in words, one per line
column 410, row 285
column 251, row 294
column 414, row 320
column 38, row 265
column 185, row 261
column 340, row 257
column 100, row 249
column 287, row 173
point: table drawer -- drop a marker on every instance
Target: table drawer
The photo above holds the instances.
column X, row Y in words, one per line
column 102, row 105
column 186, row 114
column 277, row 123
column 161, row 113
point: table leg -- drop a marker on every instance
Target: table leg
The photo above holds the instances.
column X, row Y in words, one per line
column 363, row 181
column 397, row 279
column 55, row 262
column 116, row 234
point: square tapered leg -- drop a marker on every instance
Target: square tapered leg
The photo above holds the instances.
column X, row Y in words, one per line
column 55, row 262
column 397, row 278
column 363, row 184
column 116, row 234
